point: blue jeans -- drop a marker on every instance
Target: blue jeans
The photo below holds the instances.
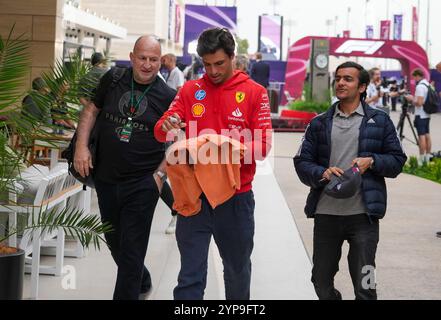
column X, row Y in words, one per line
column 129, row 207
column 232, row 226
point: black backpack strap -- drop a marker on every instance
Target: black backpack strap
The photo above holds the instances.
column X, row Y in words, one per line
column 429, row 89
column 117, row 74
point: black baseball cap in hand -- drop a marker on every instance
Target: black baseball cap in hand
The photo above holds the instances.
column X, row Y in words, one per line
column 346, row 185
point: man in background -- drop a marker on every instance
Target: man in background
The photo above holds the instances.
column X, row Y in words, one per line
column 31, row 109
column 175, row 78
column 241, row 63
column 90, row 82
column 260, row 71
column 422, row 118
column 374, row 91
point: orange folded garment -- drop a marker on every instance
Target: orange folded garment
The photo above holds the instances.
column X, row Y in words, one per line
column 210, row 164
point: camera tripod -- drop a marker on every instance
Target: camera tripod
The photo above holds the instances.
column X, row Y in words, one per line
column 405, row 115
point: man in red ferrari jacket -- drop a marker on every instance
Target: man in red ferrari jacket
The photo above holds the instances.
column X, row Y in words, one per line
column 225, row 102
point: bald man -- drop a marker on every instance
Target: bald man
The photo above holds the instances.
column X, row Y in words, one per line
column 175, row 78
column 128, row 169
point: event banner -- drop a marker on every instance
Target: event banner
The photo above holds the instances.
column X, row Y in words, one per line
column 198, row 18
column 385, row 30
column 398, row 26
column 369, row 32
column 414, row 24
column 270, row 37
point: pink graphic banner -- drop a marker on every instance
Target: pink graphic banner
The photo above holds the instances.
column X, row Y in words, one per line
column 408, row 53
column 414, row 24
column 385, row 30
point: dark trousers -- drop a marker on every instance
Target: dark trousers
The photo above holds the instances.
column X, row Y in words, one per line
column 362, row 235
column 232, row 226
column 129, row 207
column 394, row 103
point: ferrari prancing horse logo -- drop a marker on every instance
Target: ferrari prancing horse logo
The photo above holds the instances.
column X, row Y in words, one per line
column 240, row 96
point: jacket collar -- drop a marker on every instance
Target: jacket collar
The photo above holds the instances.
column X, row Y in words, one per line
column 359, row 111
column 368, row 111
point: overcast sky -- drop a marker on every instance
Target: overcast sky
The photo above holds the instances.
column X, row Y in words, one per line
column 304, row 18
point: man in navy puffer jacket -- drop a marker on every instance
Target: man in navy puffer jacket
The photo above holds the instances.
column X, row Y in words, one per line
column 349, row 133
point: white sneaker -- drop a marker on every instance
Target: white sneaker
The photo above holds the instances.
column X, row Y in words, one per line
column 171, row 226
column 428, row 157
column 421, row 160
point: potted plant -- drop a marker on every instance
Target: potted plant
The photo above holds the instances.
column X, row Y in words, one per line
column 308, row 104
column 87, row 228
column 63, row 81
column 300, row 112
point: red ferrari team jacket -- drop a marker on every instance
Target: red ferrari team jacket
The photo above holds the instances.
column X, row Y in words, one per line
column 238, row 108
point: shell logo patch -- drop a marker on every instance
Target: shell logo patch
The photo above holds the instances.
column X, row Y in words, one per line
column 198, row 110
column 240, row 96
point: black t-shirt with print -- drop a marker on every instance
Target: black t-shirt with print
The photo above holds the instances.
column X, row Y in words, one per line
column 117, row 161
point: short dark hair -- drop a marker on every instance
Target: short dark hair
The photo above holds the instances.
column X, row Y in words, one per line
column 214, row 39
column 418, row 73
column 97, row 58
column 363, row 75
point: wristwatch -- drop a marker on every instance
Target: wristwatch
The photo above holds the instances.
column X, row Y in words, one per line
column 162, row 175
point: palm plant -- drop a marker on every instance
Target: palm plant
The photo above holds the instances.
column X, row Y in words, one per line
column 63, row 82
column 87, row 228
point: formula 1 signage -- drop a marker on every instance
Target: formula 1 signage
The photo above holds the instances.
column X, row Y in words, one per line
column 365, row 46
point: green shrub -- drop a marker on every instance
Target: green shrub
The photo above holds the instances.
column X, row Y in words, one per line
column 430, row 171
column 437, row 169
column 309, row 104
column 413, row 164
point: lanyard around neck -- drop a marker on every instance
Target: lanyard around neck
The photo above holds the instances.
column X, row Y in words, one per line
column 134, row 106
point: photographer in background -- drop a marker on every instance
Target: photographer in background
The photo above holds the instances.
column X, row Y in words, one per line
column 374, row 91
column 393, row 98
column 385, row 85
column 395, row 92
column 422, row 119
